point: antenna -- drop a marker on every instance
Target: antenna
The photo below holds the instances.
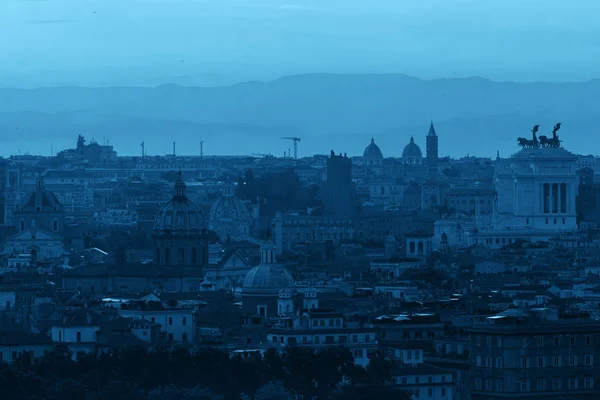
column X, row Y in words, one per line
column 51, row 149
column 201, row 148
column 143, row 150
column 174, row 156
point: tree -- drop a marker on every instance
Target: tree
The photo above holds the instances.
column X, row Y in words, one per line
column 273, row 391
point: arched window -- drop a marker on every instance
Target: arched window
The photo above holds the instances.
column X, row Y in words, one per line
column 157, row 256
column 194, row 255
column 181, row 256
column 412, row 247
column 55, row 225
column 421, row 247
column 167, row 255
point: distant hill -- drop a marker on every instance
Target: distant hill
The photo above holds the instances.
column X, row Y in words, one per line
column 328, row 111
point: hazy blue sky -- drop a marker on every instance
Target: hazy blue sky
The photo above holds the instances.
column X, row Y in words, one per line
column 89, row 42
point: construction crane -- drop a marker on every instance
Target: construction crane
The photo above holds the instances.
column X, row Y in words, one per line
column 295, row 140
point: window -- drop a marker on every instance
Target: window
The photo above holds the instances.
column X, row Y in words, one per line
column 489, row 362
column 556, row 361
column 589, row 359
column 478, row 340
column 588, row 340
column 355, row 338
column 184, row 337
column 556, row 341
column 526, row 221
column 524, row 342
column 525, row 385
column 572, row 339
column 78, row 337
column 541, row 384
column 556, row 384
column 430, row 392
column 443, row 392
column 499, row 385
column 572, row 361
column 170, row 336
column 588, row 382
column 184, row 321
column 478, row 361
column 541, row 362
column 499, row 341
column 55, row 225
column 540, row 341
column 489, row 385
column 572, row 383
column 15, row 356
column 488, row 341
column 524, row 362
column 478, row 383
column 499, row 362
column 443, row 378
column 170, row 320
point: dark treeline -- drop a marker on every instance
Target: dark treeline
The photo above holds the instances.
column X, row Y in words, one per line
column 137, row 374
column 277, row 191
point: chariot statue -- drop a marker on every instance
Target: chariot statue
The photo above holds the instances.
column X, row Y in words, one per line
column 543, row 141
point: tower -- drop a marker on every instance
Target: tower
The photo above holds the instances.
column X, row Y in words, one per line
column 310, row 299
column 285, row 303
column 339, row 191
column 432, row 144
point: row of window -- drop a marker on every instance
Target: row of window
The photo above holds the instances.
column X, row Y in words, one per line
column 540, row 361
column 539, row 341
column 329, row 339
column 417, row 392
column 417, row 380
column 321, row 322
column 541, row 384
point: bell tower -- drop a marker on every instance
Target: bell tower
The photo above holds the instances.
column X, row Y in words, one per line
column 432, row 145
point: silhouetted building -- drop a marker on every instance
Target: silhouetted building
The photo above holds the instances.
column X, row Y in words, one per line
column 180, row 235
column 40, row 208
column 517, row 355
column 339, row 192
column 432, row 145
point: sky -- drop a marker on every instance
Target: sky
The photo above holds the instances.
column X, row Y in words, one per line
column 215, row 42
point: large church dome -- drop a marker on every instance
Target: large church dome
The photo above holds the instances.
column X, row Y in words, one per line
column 372, row 152
column 179, row 214
column 412, row 149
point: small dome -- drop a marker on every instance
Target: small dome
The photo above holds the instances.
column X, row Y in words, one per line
column 310, row 293
column 228, row 207
column 41, row 199
column 268, row 277
column 372, row 151
column 179, row 214
column 411, row 150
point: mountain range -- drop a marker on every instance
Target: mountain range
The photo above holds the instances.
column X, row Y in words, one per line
column 328, row 111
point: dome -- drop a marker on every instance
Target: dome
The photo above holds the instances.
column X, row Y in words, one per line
column 228, row 207
column 41, row 199
column 372, row 151
column 411, row 150
column 179, row 214
column 268, row 277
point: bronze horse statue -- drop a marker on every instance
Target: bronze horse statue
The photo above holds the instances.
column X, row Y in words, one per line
column 551, row 142
column 530, row 143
